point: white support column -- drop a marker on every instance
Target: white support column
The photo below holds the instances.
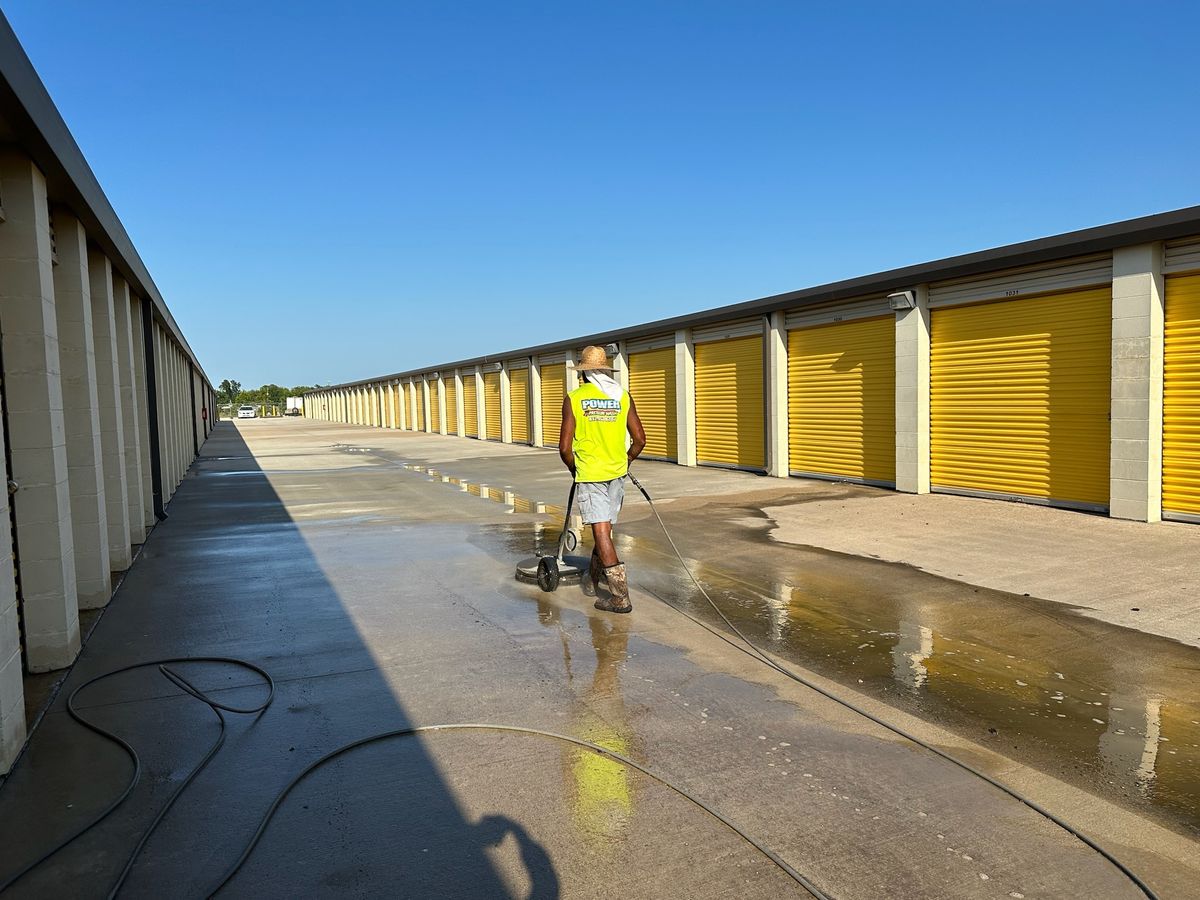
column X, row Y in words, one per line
column 505, row 405
column 413, row 400
column 912, row 395
column 1135, row 467
column 133, row 438
column 685, row 397
column 621, row 365
column 108, row 394
column 143, row 410
column 460, row 417
column 12, row 698
column 37, row 439
column 441, row 385
column 572, row 375
column 428, row 407
column 777, row 396
column 81, row 415
column 535, row 401
column 480, row 404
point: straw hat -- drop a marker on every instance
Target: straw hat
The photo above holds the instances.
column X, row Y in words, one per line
column 592, row 359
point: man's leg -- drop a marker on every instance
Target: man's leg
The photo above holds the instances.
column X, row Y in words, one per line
column 602, row 537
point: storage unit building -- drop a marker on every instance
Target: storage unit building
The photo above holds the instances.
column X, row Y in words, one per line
column 451, row 391
column 652, row 386
column 842, row 396
column 1181, row 399
column 418, row 398
column 1019, row 388
column 730, row 412
column 491, row 404
column 518, row 400
column 470, row 405
column 435, row 406
column 554, row 391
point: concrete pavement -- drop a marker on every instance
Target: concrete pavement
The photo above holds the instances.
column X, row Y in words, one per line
column 379, row 596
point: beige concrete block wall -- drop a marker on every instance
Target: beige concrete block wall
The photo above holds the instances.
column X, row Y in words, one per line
column 458, row 412
column 777, row 397
column 685, row 397
column 12, row 698
column 912, row 396
column 620, row 364
column 1135, row 476
column 37, row 437
column 143, row 407
column 535, row 401
column 505, row 405
column 81, row 415
column 129, row 419
column 108, row 399
column 480, row 403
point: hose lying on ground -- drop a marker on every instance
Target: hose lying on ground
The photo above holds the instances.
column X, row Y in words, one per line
column 753, row 650
column 219, row 708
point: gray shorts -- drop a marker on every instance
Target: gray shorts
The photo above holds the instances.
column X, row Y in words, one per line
column 600, row 501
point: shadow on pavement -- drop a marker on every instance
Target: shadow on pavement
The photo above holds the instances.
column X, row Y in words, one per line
column 229, row 574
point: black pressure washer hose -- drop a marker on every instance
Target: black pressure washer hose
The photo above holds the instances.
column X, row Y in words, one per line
column 164, row 666
column 752, row 649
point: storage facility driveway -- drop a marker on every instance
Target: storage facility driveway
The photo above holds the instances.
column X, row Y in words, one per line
column 381, row 596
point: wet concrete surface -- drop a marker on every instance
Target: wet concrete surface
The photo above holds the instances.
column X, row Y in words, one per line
column 381, row 596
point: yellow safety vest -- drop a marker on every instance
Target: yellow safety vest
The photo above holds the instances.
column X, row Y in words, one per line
column 600, row 431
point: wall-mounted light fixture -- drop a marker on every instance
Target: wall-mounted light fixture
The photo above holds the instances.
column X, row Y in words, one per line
column 902, row 300
column 612, row 349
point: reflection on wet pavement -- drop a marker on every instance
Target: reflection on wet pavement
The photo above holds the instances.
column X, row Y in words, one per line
column 1113, row 711
column 601, row 789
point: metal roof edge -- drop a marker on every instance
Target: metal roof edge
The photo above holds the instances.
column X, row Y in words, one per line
column 1162, row 226
column 28, row 108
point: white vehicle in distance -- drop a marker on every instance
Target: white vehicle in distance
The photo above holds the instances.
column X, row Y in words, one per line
column 246, row 412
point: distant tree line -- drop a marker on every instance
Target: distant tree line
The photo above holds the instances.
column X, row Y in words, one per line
column 271, row 394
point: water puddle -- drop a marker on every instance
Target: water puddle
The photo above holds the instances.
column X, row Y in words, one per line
column 505, row 496
column 1111, row 710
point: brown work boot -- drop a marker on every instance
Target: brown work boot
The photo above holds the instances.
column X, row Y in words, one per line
column 591, row 583
column 618, row 590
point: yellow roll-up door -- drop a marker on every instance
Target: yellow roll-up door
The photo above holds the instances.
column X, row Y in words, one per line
column 419, row 398
column 729, row 403
column 1019, row 398
column 451, row 406
column 652, row 386
column 554, row 391
column 1181, row 398
column 435, row 407
column 491, row 405
column 470, row 407
column 518, row 403
column 842, row 400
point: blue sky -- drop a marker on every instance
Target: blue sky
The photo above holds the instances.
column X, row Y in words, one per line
column 326, row 191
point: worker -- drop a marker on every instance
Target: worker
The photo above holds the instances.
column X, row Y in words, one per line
column 596, row 417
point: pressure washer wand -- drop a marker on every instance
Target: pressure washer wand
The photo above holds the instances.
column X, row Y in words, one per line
column 638, row 485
